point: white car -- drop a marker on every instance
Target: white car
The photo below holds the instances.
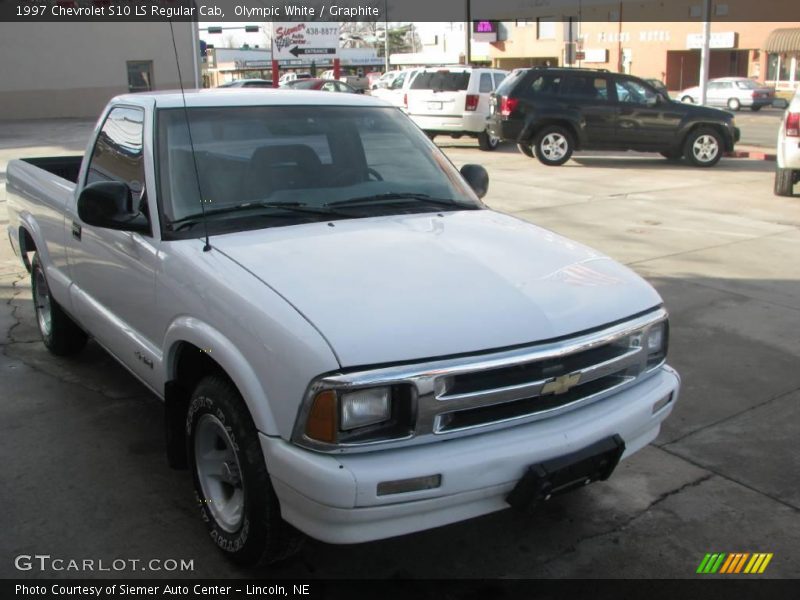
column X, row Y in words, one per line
column 787, row 172
column 732, row 93
column 396, row 89
column 454, row 101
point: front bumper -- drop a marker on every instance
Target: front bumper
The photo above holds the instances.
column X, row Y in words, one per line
column 334, row 498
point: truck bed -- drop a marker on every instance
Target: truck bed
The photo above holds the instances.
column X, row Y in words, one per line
column 66, row 167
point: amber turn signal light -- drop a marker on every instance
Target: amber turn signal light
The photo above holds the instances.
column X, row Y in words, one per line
column 321, row 423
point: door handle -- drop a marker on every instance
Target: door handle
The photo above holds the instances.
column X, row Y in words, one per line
column 76, row 230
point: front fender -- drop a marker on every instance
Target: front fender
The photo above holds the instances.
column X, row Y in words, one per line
column 227, row 355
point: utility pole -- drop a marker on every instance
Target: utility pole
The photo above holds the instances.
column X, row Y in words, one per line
column 468, row 36
column 386, row 35
column 705, row 52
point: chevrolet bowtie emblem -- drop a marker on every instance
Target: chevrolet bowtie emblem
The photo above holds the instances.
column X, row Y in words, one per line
column 561, row 385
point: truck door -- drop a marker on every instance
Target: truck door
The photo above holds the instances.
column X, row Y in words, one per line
column 113, row 272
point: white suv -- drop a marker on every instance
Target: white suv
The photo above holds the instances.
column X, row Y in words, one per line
column 454, row 101
column 787, row 172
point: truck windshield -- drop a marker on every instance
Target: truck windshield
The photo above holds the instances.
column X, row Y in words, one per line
column 268, row 166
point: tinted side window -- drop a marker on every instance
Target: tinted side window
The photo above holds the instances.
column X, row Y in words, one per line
column 633, row 92
column 545, row 84
column 585, row 87
column 498, row 79
column 117, row 154
column 486, row 83
column 510, row 82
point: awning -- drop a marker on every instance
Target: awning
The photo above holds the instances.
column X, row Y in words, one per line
column 783, row 40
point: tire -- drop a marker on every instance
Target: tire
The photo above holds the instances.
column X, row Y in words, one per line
column 487, row 142
column 672, row 155
column 784, row 182
column 526, row 149
column 233, row 491
column 703, row 147
column 60, row 334
column 554, row 146
column 687, row 100
column 755, row 108
column 734, row 104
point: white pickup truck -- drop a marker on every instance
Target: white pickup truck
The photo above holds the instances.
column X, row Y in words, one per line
column 348, row 343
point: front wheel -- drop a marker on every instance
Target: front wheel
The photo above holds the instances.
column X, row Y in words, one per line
column 554, row 146
column 232, row 486
column 60, row 334
column 784, row 182
column 487, row 142
column 703, row 147
column 734, row 104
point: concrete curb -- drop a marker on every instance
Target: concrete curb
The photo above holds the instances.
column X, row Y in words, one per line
column 752, row 154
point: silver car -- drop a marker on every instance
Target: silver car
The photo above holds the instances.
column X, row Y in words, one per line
column 733, row 93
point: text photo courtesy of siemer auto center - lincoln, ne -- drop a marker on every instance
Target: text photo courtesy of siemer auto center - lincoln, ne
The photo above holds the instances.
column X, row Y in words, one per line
column 446, row 299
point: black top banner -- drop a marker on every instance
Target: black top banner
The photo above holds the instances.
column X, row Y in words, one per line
column 393, row 10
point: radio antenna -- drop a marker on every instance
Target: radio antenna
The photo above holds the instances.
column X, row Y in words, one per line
column 207, row 246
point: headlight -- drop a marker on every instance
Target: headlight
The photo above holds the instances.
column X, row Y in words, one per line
column 352, row 416
column 365, row 407
column 655, row 342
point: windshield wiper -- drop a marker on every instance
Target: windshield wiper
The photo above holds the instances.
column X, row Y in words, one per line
column 390, row 196
column 295, row 207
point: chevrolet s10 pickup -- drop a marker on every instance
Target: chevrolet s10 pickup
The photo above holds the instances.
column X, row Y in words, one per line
column 349, row 344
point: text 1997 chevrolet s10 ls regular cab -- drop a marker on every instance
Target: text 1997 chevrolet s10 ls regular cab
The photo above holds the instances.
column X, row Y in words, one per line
column 364, row 349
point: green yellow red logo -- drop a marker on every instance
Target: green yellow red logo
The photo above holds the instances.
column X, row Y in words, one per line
column 735, row 563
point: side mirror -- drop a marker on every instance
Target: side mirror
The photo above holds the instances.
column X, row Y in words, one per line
column 477, row 178
column 109, row 204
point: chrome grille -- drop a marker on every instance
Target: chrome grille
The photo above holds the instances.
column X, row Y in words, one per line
column 464, row 395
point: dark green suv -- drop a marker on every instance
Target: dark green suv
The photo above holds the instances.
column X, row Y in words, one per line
column 551, row 112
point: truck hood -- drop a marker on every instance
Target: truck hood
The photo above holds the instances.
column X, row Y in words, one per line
column 410, row 287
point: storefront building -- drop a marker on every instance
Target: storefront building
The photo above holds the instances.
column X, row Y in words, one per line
column 221, row 65
column 668, row 51
column 73, row 70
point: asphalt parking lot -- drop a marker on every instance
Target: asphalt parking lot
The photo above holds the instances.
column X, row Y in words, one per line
column 82, row 445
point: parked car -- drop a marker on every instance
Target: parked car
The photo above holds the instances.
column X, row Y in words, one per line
column 787, row 171
column 325, row 85
column 292, row 76
column 348, row 342
column 247, row 83
column 372, row 78
column 385, row 80
column 553, row 112
column 454, row 101
column 396, row 91
column 354, row 80
column 733, row 93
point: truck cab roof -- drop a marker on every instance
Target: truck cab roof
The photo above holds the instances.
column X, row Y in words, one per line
column 208, row 98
